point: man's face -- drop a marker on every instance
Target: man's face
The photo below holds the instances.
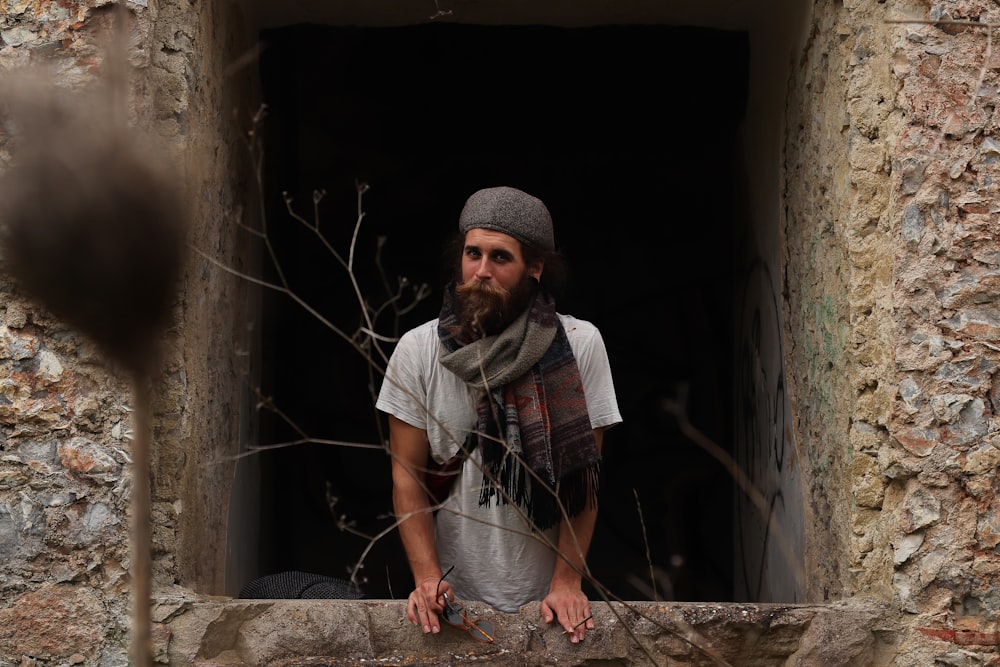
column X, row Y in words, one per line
column 496, row 285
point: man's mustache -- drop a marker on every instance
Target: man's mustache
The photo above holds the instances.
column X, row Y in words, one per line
column 476, row 286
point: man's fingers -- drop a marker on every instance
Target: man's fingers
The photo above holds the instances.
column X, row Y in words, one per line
column 420, row 614
column 579, row 629
column 413, row 611
column 547, row 614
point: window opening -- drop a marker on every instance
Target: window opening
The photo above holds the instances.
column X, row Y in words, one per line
column 629, row 134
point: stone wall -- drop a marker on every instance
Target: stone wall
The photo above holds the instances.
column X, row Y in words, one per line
column 65, row 477
column 891, row 295
column 888, row 293
column 203, row 94
column 839, row 240
column 356, row 634
column 943, row 459
column 66, row 417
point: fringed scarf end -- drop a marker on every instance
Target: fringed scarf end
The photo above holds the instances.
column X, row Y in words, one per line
column 576, row 492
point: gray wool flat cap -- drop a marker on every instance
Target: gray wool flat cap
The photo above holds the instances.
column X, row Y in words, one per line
column 512, row 212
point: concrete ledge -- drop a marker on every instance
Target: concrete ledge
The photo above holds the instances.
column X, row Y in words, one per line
column 290, row 633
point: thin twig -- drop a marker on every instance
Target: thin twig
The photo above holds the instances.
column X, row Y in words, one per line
column 566, row 632
column 645, row 541
column 742, row 480
column 142, row 588
column 971, row 24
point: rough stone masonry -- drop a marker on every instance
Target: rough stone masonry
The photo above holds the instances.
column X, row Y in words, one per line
column 890, row 278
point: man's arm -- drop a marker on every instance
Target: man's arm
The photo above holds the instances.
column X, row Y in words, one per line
column 566, row 601
column 410, row 449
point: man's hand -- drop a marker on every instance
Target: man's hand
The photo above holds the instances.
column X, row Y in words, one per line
column 571, row 607
column 416, row 522
column 425, row 604
column 566, row 601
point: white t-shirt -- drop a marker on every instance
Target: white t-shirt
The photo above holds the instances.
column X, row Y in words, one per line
column 496, row 558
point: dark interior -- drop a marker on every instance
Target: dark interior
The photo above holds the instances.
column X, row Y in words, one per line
column 630, row 136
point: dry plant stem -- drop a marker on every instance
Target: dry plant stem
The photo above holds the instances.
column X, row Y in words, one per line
column 566, row 632
column 746, row 486
column 969, row 24
column 142, row 645
column 645, row 541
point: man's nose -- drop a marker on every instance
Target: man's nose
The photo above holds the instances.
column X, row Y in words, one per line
column 483, row 269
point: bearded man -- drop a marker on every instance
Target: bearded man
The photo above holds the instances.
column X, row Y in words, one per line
column 496, row 412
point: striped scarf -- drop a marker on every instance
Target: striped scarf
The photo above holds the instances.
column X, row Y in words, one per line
column 531, row 413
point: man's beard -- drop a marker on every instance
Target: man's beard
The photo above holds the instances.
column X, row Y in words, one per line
column 486, row 310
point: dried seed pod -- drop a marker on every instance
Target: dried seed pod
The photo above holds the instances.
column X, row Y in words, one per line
column 91, row 219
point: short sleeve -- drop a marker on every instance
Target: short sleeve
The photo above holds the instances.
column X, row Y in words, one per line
column 595, row 372
column 404, row 393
